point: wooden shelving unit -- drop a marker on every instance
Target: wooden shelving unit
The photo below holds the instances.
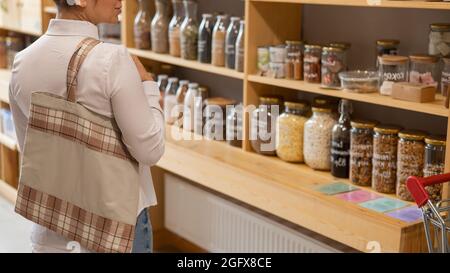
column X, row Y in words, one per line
column 284, row 189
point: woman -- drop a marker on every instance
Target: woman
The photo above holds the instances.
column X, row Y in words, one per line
column 110, row 83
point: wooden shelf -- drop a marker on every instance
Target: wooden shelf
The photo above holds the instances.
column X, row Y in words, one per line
column 288, row 191
column 365, row 3
column 164, row 58
column 8, row 142
column 8, row 192
column 435, row 108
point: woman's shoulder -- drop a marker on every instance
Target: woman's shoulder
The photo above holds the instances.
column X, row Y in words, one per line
column 113, row 51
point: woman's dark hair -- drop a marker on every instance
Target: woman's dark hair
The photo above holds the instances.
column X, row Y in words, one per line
column 61, row 3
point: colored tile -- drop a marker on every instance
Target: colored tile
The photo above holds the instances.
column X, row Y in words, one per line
column 358, row 196
column 335, row 188
column 409, row 214
column 383, row 204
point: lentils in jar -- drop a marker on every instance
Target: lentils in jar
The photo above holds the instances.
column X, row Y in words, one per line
column 384, row 174
column 411, row 149
column 361, row 152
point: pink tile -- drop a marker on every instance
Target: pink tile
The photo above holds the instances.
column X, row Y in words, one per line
column 358, row 196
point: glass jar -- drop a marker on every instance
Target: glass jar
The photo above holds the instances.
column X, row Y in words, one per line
column 14, row 45
column 392, row 69
column 294, row 60
column 189, row 31
column 340, row 142
column 170, row 101
column 163, row 80
column 317, row 138
column 386, row 47
column 439, row 43
column 361, row 152
column 215, row 117
column 200, row 118
column 424, row 69
column 410, row 160
column 334, row 61
column 263, row 60
column 160, row 27
column 3, row 53
column 174, row 28
column 263, row 126
column 181, row 94
column 142, row 26
column 311, row 63
column 205, row 38
column 240, row 48
column 234, row 126
column 434, row 163
column 218, row 41
column 189, row 106
column 384, row 174
column 445, row 77
column 230, row 42
column 290, row 129
column 344, row 45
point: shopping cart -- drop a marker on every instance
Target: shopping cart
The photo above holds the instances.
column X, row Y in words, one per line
column 435, row 215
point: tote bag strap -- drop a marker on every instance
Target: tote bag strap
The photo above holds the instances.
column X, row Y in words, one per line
column 82, row 50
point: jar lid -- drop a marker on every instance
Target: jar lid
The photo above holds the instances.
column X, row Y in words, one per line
column 387, row 129
column 202, row 89
column 299, row 105
column 333, row 49
column 294, row 42
column 363, row 124
column 219, row 101
column 324, row 109
column 422, row 58
column 393, row 59
column 193, row 85
column 269, row 100
column 235, row 18
column 184, row 82
column 311, row 46
column 412, row 135
column 173, row 79
column 436, row 140
column 388, row 42
column 322, row 101
column 343, row 45
column 207, row 15
column 440, row 26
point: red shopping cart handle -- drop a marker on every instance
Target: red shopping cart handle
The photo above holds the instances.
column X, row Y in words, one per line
column 417, row 186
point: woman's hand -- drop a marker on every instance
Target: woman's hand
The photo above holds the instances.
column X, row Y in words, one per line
column 145, row 76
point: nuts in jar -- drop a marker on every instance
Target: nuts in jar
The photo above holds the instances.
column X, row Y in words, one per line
column 410, row 160
column 361, row 152
column 434, row 163
column 290, row 127
column 384, row 174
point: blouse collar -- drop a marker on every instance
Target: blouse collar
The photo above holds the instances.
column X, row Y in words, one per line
column 63, row 27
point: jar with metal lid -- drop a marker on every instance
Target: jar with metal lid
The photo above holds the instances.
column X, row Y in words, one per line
column 445, row 77
column 218, row 41
column 170, row 100
column 334, row 61
column 439, row 42
column 263, row 125
column 344, row 45
column 174, row 28
column 215, row 117
column 3, row 53
column 410, row 160
column 386, row 47
column 142, row 26
column 14, row 45
column 424, row 69
column 392, row 69
column 234, row 126
column 311, row 63
column 230, row 42
column 384, row 175
column 361, row 152
column 327, row 102
column 290, row 129
column 317, row 138
column 189, row 31
column 434, row 163
column 294, row 60
column 340, row 142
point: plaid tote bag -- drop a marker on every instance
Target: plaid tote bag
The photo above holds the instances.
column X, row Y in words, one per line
column 77, row 177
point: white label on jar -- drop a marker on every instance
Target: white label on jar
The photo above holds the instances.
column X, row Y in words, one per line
column 202, row 46
column 396, row 77
column 230, row 50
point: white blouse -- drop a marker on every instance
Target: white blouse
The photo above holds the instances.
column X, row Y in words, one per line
column 108, row 84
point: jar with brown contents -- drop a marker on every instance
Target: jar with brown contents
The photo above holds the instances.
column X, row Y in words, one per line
column 311, row 63
column 218, row 41
column 384, row 174
column 361, row 152
column 411, row 148
column 434, row 164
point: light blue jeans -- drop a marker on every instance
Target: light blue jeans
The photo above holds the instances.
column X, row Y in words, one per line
column 143, row 239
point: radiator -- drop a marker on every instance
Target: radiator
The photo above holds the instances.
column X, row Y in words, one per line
column 218, row 225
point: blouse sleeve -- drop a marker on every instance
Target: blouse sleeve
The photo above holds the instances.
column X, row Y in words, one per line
column 136, row 109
